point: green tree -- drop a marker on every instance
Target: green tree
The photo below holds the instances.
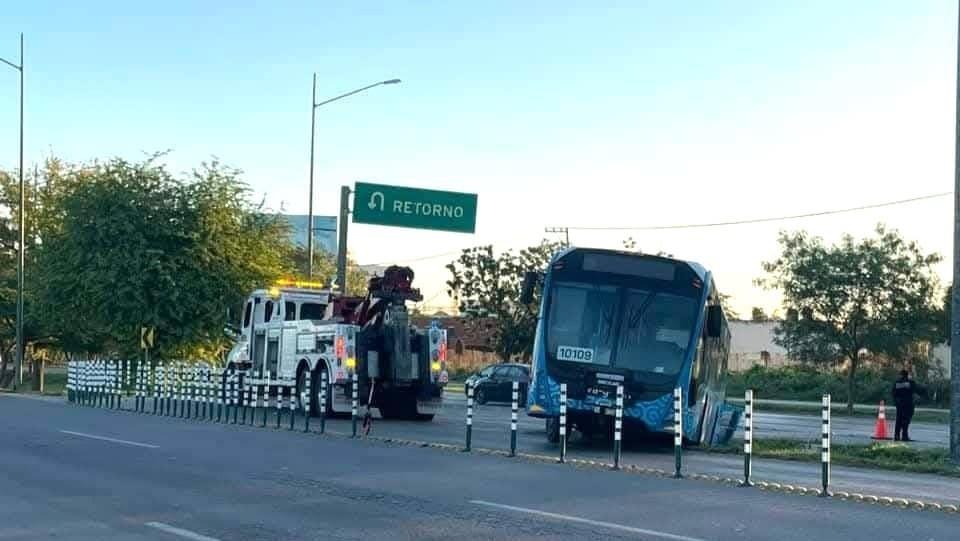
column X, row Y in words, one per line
column 945, row 315
column 128, row 245
column 876, row 294
column 757, row 314
column 488, row 285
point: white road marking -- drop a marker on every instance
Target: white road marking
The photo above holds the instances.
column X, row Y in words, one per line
column 186, row 534
column 568, row 518
column 113, row 440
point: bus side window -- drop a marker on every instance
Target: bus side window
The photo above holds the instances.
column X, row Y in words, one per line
column 289, row 311
column 268, row 311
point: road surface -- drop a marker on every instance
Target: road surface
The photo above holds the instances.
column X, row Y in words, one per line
column 85, row 473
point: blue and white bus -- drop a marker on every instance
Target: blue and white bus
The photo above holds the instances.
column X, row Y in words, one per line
column 647, row 322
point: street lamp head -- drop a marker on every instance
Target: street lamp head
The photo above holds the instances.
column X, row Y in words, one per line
column 391, row 82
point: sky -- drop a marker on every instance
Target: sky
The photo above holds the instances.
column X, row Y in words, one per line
column 572, row 113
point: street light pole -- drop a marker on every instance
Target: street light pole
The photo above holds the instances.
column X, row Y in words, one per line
column 18, row 377
column 313, row 116
column 955, row 301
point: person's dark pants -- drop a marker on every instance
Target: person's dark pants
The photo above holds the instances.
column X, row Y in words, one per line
column 904, row 415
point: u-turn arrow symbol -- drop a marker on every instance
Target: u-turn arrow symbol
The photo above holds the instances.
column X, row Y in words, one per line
column 373, row 200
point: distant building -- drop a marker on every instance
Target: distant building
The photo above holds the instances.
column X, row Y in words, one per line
column 324, row 231
column 751, row 344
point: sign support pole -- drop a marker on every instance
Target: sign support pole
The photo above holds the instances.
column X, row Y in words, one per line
column 342, row 241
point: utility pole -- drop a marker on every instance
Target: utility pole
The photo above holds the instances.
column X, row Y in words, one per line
column 955, row 301
column 18, row 377
column 564, row 230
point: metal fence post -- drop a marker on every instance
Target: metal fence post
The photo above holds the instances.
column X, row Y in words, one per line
column 563, row 423
column 323, row 401
column 515, row 396
column 677, row 431
column 469, row 436
column 235, row 387
column 747, row 438
column 355, row 382
column 126, row 377
column 306, row 404
column 618, row 427
column 248, row 404
column 825, row 448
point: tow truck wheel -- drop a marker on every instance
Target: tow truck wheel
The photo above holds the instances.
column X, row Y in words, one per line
column 301, row 386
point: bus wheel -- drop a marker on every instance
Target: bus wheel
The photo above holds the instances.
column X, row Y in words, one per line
column 553, row 429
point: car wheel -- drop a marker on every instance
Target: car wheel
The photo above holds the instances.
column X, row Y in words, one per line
column 480, row 396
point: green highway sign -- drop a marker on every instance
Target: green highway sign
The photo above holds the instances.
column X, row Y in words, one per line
column 398, row 206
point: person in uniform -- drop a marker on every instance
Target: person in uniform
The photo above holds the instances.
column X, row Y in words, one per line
column 903, row 390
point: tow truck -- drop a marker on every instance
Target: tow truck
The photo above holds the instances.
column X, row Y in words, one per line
column 296, row 330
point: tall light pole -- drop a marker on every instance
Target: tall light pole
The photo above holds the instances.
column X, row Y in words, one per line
column 955, row 301
column 313, row 121
column 18, row 379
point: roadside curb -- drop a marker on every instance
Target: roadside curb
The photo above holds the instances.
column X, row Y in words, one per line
column 887, row 501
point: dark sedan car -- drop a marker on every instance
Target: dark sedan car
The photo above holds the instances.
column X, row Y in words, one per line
column 495, row 382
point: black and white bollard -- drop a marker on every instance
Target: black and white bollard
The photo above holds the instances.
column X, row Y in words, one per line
column 220, row 387
column 469, row 436
column 279, row 400
column 677, row 432
column 306, row 404
column 563, row 423
column 244, row 384
column 126, row 377
column 354, row 386
column 177, row 389
column 514, row 406
column 747, row 438
column 157, row 404
column 825, row 448
column 266, row 397
column 235, row 387
column 255, row 399
column 191, row 392
column 293, row 402
column 323, row 401
column 618, row 427
column 249, row 404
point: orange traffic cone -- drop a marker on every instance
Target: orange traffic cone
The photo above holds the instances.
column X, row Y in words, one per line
column 880, row 431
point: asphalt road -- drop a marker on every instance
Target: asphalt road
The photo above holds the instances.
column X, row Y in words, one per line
column 85, row 473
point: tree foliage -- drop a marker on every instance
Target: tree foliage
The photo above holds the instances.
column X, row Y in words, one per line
column 488, row 285
column 877, row 294
column 757, row 314
column 126, row 245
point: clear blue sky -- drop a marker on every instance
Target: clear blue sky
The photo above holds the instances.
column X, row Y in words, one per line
column 556, row 113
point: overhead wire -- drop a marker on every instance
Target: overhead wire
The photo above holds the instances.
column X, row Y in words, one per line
column 715, row 224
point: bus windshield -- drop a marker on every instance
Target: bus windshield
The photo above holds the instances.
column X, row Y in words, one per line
column 630, row 328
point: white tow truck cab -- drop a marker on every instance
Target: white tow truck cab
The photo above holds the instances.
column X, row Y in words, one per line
column 298, row 330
